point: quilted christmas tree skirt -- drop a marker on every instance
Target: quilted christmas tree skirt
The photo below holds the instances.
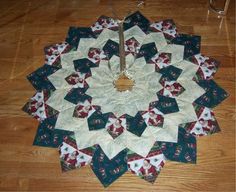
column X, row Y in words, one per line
column 84, row 112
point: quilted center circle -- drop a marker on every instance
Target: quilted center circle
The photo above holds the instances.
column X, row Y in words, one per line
column 124, row 94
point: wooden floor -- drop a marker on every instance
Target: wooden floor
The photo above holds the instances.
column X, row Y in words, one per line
column 27, row 26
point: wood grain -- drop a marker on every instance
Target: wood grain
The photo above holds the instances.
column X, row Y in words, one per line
column 27, row 26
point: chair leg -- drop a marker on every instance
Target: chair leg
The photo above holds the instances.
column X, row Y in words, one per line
column 217, row 10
